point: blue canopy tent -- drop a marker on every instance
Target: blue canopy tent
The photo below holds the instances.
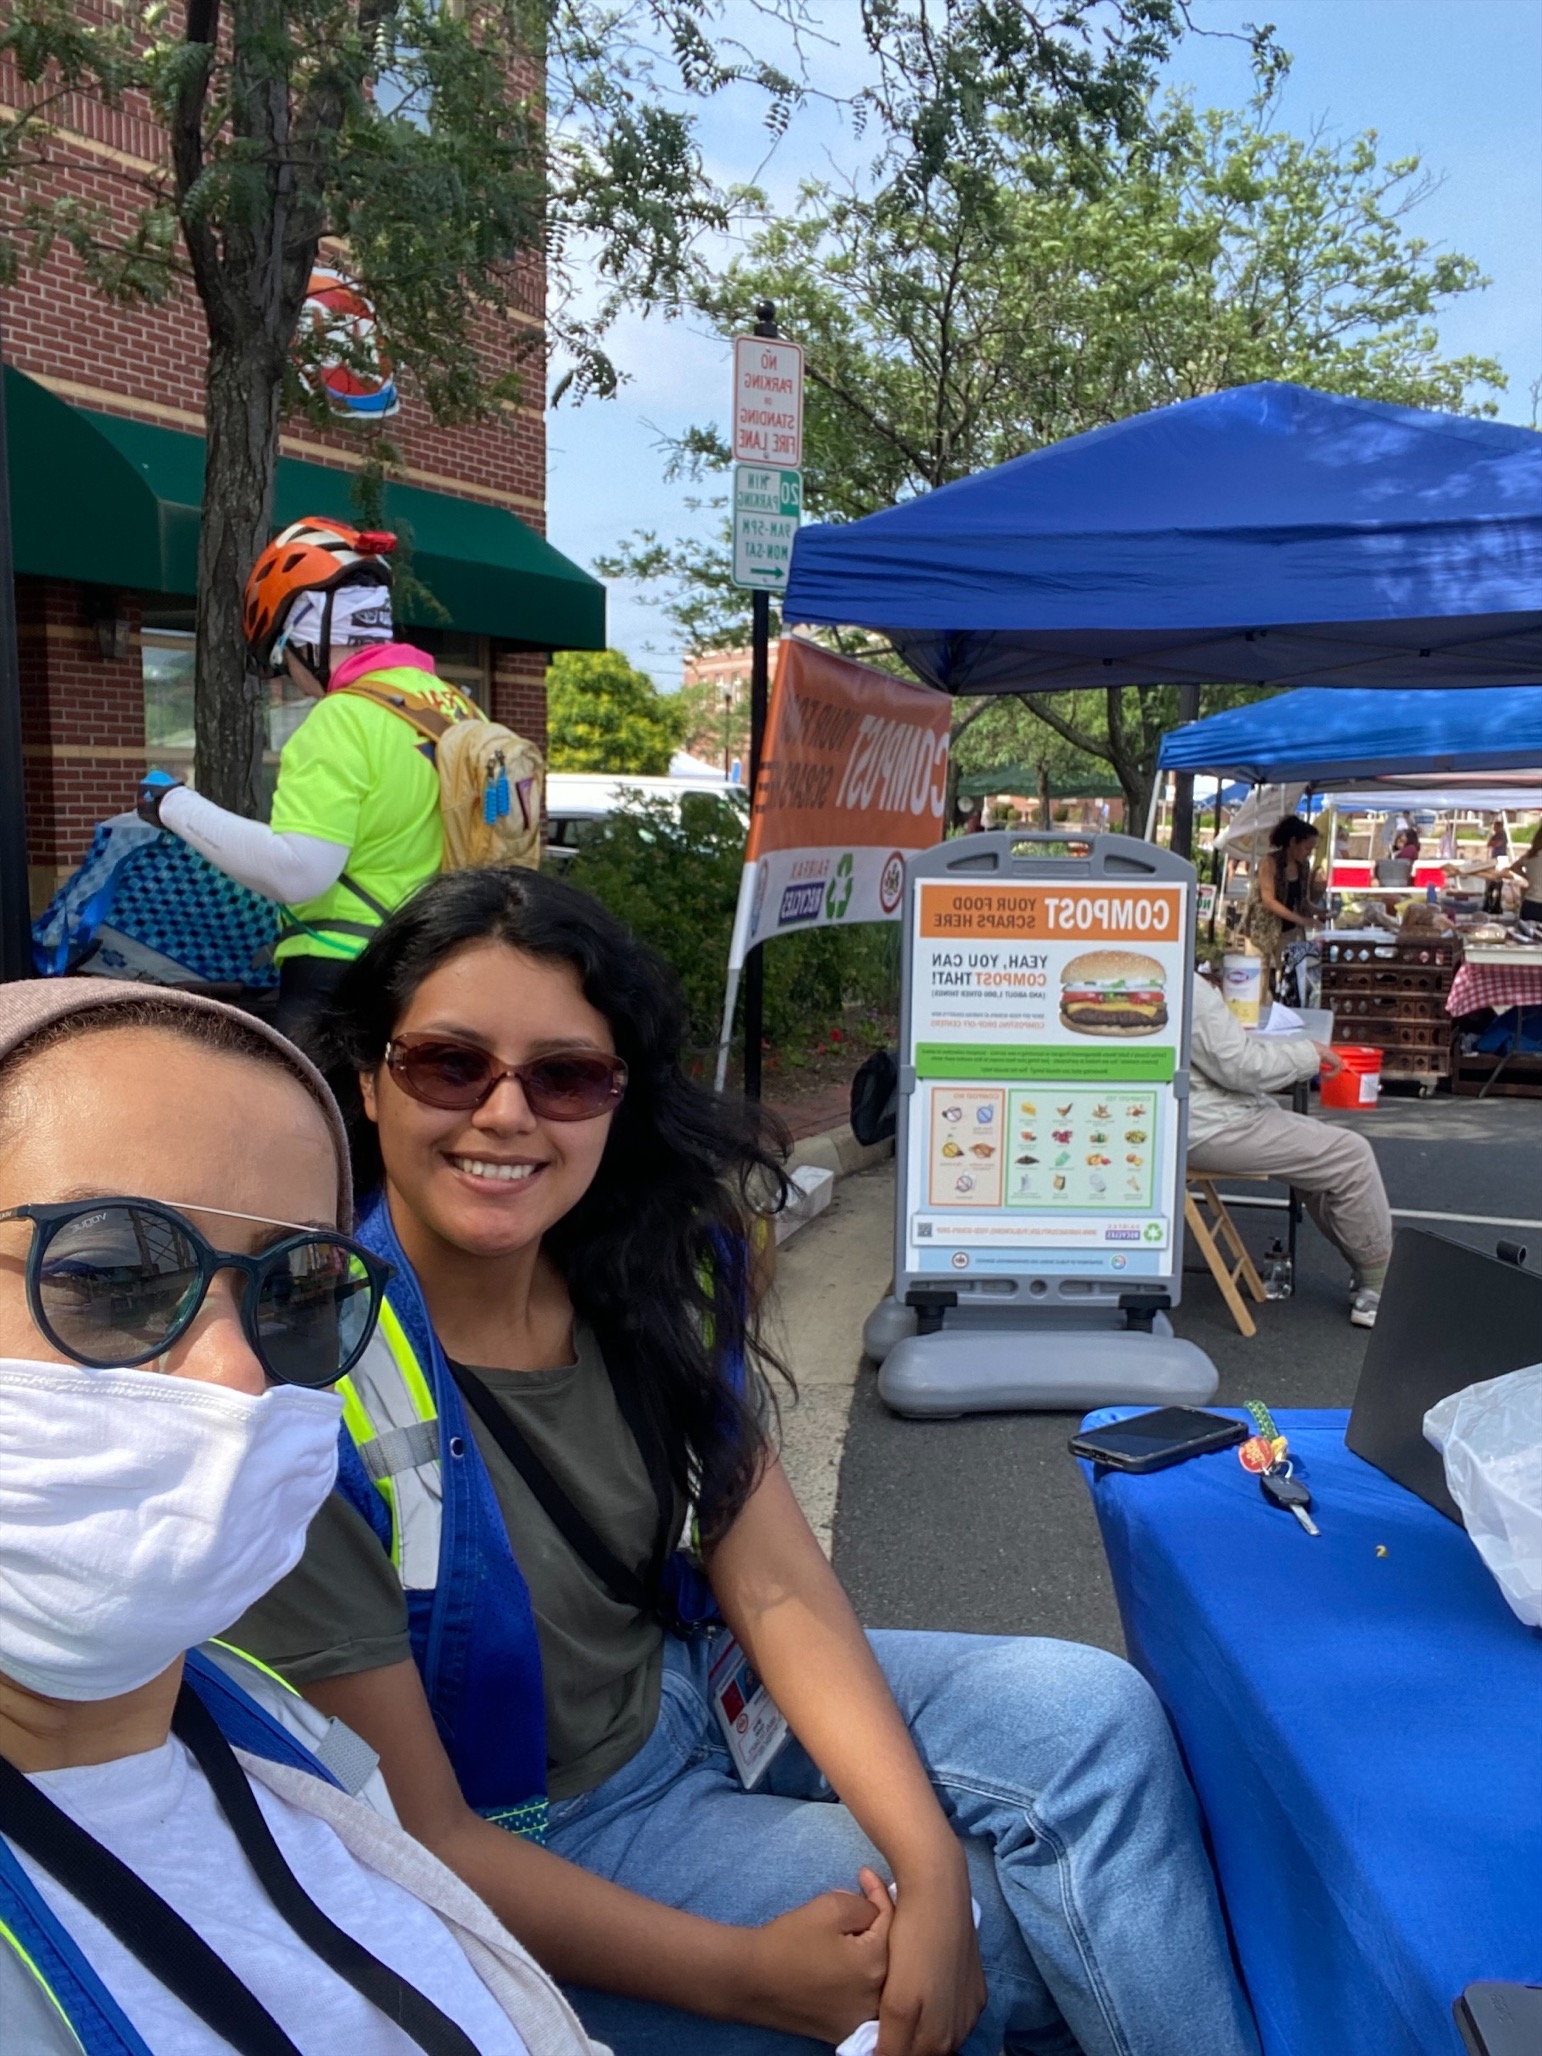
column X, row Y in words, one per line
column 1268, row 534
column 1321, row 738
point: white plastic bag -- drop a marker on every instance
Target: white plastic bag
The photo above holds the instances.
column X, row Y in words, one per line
column 1490, row 1437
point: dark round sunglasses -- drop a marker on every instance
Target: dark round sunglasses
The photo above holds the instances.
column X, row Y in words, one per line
column 458, row 1076
column 114, row 1282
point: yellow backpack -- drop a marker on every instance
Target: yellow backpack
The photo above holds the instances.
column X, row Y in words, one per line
column 491, row 781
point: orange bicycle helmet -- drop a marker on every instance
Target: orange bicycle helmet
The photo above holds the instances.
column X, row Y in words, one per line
column 314, row 554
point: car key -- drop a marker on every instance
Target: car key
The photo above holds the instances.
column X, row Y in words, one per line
column 1281, row 1488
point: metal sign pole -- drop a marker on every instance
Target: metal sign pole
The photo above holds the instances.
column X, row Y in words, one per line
column 760, row 687
column 755, row 962
column 15, row 912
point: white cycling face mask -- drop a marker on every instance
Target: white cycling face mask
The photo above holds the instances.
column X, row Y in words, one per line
column 142, row 1513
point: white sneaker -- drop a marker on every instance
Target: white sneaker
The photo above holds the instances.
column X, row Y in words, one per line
column 1364, row 1307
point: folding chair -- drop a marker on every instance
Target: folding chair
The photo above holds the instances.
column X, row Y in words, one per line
column 1231, row 1266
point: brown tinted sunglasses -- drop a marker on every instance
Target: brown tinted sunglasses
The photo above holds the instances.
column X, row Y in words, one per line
column 459, row 1076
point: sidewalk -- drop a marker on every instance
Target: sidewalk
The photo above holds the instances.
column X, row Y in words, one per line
column 829, row 1278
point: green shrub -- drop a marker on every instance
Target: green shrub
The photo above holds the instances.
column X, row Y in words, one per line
column 673, row 877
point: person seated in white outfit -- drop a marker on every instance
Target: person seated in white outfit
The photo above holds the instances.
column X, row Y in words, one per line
column 1234, row 1126
column 182, row 1868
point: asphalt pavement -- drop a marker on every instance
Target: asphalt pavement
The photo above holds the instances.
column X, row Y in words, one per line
column 985, row 1523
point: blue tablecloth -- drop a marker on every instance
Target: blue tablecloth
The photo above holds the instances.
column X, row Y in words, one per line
column 1364, row 1732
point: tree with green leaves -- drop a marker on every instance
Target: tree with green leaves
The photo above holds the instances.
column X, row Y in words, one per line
column 1033, row 294
column 443, row 149
column 603, row 714
column 450, row 151
column 715, row 718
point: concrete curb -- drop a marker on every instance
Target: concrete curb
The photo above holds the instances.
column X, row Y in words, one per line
column 816, row 1166
column 838, row 1151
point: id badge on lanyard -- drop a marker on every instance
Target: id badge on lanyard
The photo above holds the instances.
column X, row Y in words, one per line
column 746, row 1712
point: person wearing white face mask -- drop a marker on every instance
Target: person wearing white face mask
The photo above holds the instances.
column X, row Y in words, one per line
column 184, row 1869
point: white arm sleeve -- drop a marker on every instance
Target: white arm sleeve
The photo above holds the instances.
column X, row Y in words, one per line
column 288, row 868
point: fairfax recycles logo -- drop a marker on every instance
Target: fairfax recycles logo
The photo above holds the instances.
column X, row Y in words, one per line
column 838, row 891
column 1153, row 1231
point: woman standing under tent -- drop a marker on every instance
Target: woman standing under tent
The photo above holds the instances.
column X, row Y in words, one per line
column 1498, row 857
column 1280, row 909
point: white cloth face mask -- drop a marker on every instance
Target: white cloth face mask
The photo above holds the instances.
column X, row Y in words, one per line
column 141, row 1513
column 360, row 614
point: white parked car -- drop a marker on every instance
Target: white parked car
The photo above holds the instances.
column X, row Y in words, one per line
column 576, row 800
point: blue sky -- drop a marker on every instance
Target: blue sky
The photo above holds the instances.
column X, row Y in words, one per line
column 1457, row 82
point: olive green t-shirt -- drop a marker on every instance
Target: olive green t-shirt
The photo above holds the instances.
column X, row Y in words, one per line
column 342, row 1608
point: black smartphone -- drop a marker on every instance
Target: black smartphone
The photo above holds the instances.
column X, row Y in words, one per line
column 1152, row 1441
column 1500, row 2020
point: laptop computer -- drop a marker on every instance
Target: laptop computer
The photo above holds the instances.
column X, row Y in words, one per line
column 1450, row 1316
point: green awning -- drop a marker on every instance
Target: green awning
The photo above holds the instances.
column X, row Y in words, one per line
column 1023, row 779
column 116, row 502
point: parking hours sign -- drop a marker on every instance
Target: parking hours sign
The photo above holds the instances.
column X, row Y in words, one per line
column 767, row 505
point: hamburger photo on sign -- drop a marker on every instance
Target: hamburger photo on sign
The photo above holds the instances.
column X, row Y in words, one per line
column 1113, row 992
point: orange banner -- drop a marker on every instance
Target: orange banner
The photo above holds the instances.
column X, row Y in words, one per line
column 853, row 758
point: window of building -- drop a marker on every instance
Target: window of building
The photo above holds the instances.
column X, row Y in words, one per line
column 465, row 660
column 166, row 666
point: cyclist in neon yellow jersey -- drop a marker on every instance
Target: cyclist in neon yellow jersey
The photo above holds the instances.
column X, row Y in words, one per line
column 356, row 823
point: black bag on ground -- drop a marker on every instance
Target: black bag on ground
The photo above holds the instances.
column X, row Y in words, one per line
column 875, row 1098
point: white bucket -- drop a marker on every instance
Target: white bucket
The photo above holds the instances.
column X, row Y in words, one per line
column 1242, row 983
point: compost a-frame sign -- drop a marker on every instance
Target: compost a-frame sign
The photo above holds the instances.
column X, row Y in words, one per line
column 1044, row 1057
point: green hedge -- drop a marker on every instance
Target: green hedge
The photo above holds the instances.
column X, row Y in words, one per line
column 673, row 877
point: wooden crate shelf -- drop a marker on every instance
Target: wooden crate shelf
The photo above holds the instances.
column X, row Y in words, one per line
column 1391, row 995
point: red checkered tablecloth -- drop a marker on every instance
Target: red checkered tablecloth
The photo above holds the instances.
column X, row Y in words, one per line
column 1495, row 985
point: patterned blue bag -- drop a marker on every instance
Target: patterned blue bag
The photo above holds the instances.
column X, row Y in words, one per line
column 145, row 905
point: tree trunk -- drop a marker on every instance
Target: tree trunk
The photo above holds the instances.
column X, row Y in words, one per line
column 251, row 277
column 961, row 723
column 1182, row 840
column 241, row 404
column 1136, row 785
column 1134, row 767
column 1046, row 811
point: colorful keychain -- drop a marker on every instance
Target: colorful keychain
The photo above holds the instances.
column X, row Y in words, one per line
column 1265, row 1455
column 1261, row 1452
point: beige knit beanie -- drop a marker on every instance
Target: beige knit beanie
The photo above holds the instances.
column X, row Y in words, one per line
column 30, row 1005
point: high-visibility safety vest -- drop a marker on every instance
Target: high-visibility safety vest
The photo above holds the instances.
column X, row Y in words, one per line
column 233, row 1687
column 409, row 1463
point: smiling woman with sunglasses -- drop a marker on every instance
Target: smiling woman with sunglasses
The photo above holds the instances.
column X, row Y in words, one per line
column 177, row 1298
column 562, row 1392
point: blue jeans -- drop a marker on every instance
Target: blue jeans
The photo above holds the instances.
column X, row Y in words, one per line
column 1100, row 1929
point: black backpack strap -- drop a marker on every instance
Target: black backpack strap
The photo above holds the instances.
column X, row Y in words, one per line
column 375, row 906
column 417, row 2017
column 623, row 1583
column 629, row 1405
column 174, row 1953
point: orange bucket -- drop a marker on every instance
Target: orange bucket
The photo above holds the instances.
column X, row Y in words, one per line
column 1358, row 1086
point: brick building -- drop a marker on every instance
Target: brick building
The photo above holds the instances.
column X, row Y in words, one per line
column 717, row 686
column 104, row 408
